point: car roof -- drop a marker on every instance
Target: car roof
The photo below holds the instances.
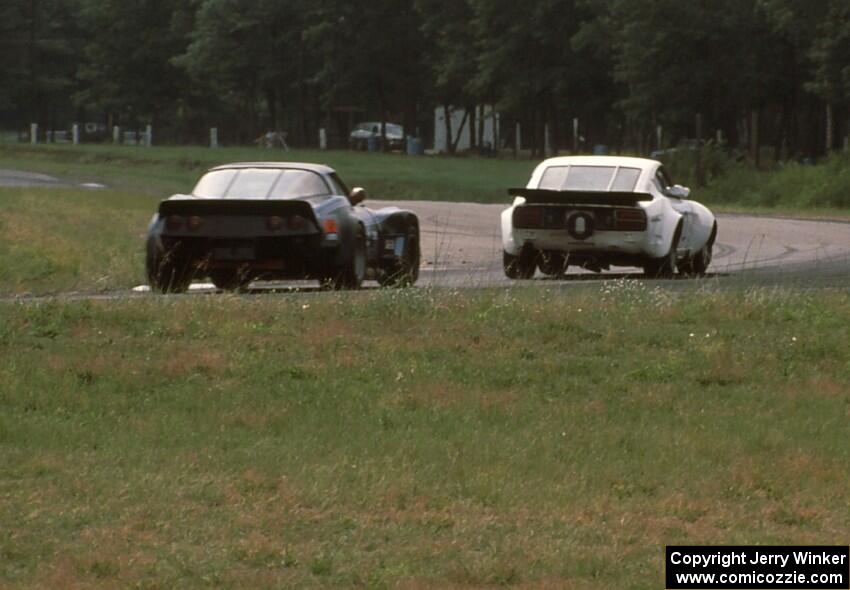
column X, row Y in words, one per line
column 642, row 163
column 646, row 166
column 318, row 168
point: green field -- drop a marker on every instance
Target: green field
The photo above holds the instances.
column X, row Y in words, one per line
column 416, row 438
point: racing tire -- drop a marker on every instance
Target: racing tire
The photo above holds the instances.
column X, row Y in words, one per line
column 351, row 274
column 166, row 271
column 520, row 266
column 700, row 262
column 552, row 263
column 664, row 267
column 405, row 271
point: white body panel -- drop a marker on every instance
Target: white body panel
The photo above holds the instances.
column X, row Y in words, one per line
column 664, row 214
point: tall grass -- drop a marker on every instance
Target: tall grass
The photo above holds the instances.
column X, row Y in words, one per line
column 790, row 186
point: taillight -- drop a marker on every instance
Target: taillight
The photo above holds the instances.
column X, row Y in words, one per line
column 629, row 219
column 297, row 223
column 330, row 226
column 274, row 223
column 528, row 217
column 174, row 222
column 194, row 222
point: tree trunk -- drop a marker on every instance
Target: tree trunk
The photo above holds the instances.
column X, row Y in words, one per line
column 473, row 130
column 482, row 120
column 754, row 138
column 271, row 103
column 700, row 175
column 829, row 128
column 556, row 132
column 302, row 101
column 534, row 134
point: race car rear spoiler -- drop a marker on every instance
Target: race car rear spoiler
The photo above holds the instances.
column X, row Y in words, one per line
column 545, row 196
column 264, row 207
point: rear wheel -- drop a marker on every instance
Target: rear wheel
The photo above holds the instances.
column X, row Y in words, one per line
column 700, row 262
column 552, row 263
column 351, row 274
column 520, row 266
column 664, row 267
column 661, row 268
column 405, row 271
column 167, row 272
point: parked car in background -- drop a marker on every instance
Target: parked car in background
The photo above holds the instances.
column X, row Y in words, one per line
column 362, row 133
column 279, row 220
column 598, row 211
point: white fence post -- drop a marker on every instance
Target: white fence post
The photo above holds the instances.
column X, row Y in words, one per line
column 148, row 136
column 323, row 139
column 213, row 137
column 518, row 138
column 33, row 133
column 116, row 134
column 75, row 134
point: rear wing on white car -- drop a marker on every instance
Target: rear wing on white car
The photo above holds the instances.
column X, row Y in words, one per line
column 553, row 197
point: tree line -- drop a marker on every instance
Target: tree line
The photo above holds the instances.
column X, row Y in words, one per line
column 753, row 73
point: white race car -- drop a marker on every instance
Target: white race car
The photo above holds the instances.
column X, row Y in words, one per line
column 598, row 211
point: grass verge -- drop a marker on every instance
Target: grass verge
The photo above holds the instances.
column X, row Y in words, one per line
column 417, row 438
column 166, row 170
column 792, row 188
column 71, row 239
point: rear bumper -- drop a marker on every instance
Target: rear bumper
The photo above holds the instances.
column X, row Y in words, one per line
column 600, row 243
column 276, row 257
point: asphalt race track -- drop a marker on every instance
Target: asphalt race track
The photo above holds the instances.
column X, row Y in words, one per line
column 461, row 248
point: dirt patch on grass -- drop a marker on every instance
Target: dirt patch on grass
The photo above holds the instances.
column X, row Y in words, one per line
column 446, row 395
column 196, row 360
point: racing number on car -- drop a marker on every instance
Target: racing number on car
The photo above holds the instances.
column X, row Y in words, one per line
column 580, row 225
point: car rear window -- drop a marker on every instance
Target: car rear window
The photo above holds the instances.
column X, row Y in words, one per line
column 214, row 184
column 299, row 183
column 626, row 179
column 252, row 184
column 260, row 183
column 589, row 178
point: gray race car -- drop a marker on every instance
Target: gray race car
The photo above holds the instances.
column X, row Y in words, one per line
column 279, row 220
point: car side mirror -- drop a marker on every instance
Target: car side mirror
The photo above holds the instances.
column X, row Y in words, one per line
column 357, row 195
column 679, row 192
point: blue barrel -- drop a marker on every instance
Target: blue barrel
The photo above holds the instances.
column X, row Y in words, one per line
column 414, row 146
column 411, row 147
column 373, row 144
